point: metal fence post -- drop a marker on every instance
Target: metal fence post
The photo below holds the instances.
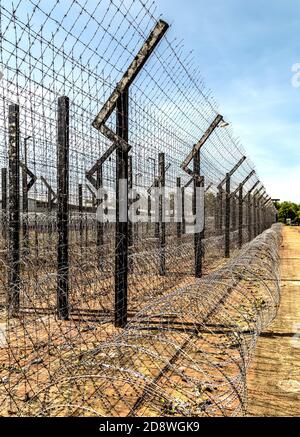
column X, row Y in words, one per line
column 258, row 217
column 63, row 208
column 197, row 236
column 130, row 186
column 13, row 299
column 179, row 209
column 220, row 207
column 80, row 208
column 233, row 217
column 4, row 202
column 162, row 224
column 227, row 217
column 121, row 242
column 255, row 215
column 249, row 217
column 183, row 229
column 241, row 216
column 156, row 228
column 217, row 213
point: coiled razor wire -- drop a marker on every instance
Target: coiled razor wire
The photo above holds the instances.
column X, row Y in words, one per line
column 184, row 353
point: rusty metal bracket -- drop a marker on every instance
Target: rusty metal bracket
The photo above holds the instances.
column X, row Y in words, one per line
column 200, row 143
column 235, row 168
column 252, row 189
column 243, row 183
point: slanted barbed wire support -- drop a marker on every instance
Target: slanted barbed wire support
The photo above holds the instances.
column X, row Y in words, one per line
column 162, row 209
column 13, row 298
column 4, row 202
column 119, row 100
column 26, row 187
column 194, row 156
column 63, row 309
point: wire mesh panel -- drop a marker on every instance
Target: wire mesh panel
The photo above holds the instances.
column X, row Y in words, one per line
column 105, row 316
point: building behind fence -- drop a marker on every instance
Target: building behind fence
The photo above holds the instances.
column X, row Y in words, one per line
column 92, row 93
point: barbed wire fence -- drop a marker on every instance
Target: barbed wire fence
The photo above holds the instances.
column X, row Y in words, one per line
column 136, row 317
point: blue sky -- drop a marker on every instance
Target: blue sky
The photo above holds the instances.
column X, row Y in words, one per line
column 246, row 51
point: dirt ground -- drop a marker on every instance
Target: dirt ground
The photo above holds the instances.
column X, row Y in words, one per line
column 274, row 377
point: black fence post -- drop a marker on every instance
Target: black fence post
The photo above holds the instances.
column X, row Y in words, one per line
column 220, row 207
column 13, row 300
column 258, row 217
column 197, row 236
column 80, row 209
column 121, row 242
column 233, row 216
column 130, row 186
column 255, row 215
column 179, row 208
column 249, row 217
column 4, row 202
column 149, row 227
column 63, row 208
column 241, row 216
column 183, row 230
column 227, row 217
column 217, row 213
column 156, row 229
column 162, row 224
